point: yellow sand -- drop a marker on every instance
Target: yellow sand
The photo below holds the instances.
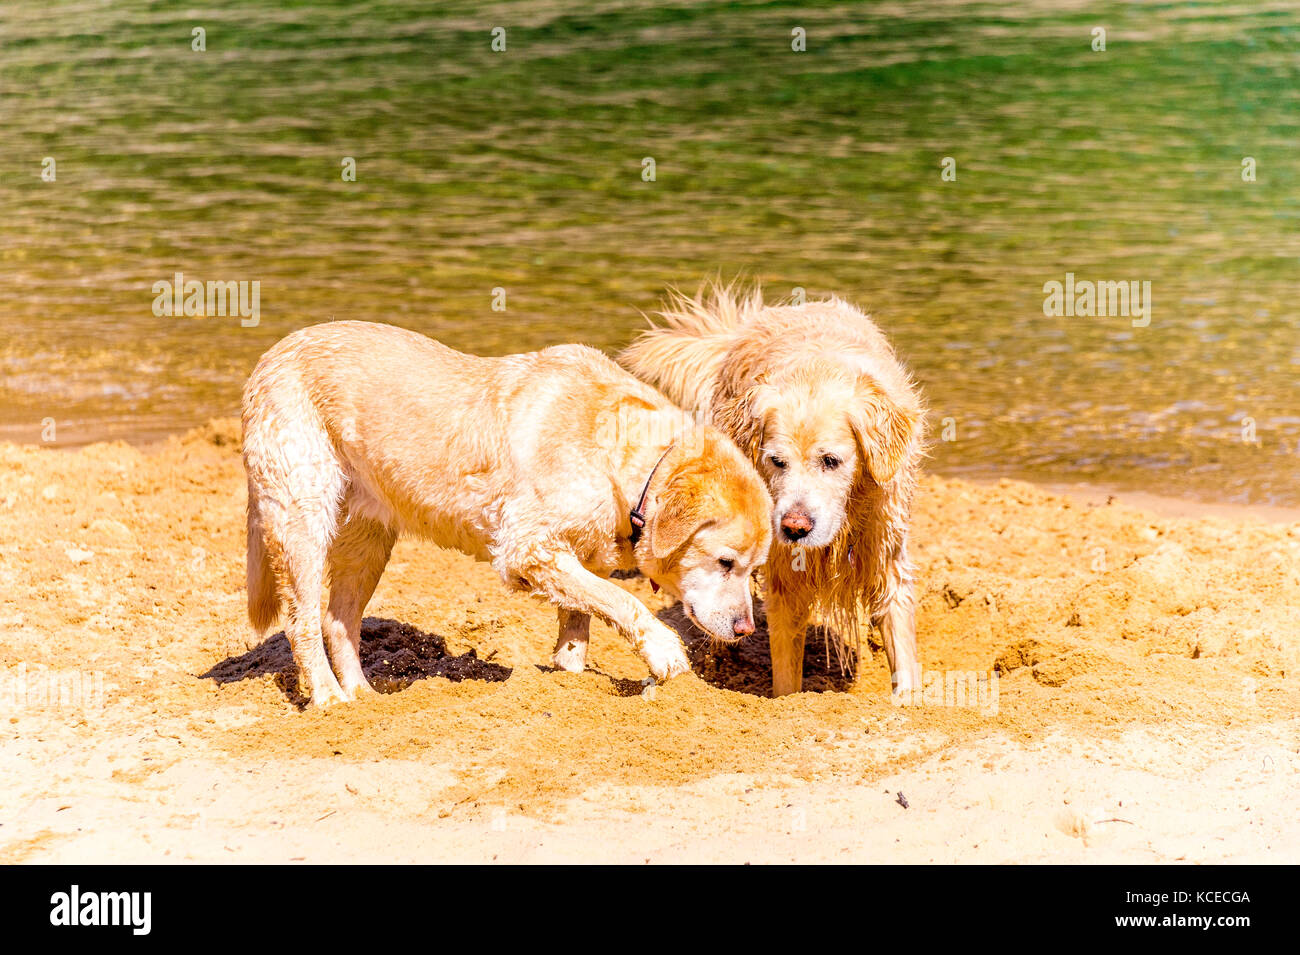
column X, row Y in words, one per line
column 1146, row 706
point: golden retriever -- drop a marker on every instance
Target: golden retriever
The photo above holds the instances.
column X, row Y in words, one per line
column 815, row 395
column 355, row 432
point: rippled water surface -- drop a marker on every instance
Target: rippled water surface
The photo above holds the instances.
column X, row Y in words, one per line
column 522, row 170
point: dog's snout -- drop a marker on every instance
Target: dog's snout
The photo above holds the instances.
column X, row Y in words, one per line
column 742, row 626
column 796, row 524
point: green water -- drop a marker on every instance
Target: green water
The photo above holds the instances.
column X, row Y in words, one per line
column 522, row 170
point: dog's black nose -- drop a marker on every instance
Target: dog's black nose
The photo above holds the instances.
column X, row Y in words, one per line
column 796, row 524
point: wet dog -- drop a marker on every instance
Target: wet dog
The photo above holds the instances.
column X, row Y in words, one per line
column 556, row 466
column 817, row 398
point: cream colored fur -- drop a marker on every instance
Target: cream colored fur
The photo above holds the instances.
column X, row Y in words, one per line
column 815, row 395
column 356, row 432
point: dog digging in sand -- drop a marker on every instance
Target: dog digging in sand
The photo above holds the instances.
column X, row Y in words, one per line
column 814, row 394
column 557, row 466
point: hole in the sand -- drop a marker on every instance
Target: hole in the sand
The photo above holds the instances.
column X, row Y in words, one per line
column 746, row 666
column 393, row 656
column 620, row 686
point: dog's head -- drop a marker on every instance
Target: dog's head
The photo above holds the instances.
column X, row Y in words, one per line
column 707, row 530
column 815, row 433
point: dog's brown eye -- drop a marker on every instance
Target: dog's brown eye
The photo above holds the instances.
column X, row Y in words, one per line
column 726, row 563
column 778, row 463
column 830, row 462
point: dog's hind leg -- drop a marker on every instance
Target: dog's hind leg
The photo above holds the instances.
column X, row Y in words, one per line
column 787, row 627
column 300, row 577
column 357, row 559
column 302, row 486
column 571, row 648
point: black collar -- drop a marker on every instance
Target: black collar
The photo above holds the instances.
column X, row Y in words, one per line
column 637, row 514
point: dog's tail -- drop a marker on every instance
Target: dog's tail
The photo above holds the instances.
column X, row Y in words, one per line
column 682, row 356
column 263, row 597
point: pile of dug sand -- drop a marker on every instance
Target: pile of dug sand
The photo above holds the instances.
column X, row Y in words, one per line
column 1143, row 704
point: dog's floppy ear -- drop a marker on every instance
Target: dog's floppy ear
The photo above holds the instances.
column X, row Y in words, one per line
column 679, row 511
column 885, row 432
column 744, row 417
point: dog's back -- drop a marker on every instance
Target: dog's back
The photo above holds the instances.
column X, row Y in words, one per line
column 368, row 408
column 700, row 335
column 682, row 357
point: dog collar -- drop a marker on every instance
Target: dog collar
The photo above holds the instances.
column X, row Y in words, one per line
column 637, row 514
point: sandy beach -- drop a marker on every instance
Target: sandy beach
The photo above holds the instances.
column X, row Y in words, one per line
column 1110, row 685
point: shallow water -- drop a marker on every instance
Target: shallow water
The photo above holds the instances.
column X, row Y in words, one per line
column 523, row 170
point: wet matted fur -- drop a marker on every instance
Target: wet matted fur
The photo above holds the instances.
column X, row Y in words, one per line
column 802, row 386
column 355, row 432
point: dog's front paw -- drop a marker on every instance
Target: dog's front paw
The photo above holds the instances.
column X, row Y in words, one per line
column 665, row 657
column 358, row 689
column 906, row 682
column 571, row 656
column 328, row 696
